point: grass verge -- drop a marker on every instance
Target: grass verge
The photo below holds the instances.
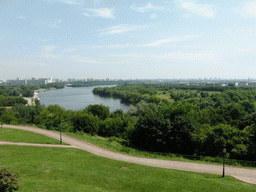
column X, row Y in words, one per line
column 59, row 169
column 16, row 135
column 115, row 144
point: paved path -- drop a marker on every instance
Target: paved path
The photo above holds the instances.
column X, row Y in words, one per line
column 244, row 174
column 35, row 144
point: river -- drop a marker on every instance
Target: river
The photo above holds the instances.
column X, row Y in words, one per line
column 76, row 98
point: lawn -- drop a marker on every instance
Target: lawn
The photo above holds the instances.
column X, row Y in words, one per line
column 16, row 135
column 61, row 169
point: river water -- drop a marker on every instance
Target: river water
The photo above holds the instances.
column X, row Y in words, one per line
column 76, row 98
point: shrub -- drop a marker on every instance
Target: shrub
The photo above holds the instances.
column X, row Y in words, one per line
column 8, row 181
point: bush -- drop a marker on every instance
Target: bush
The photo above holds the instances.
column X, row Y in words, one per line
column 8, row 181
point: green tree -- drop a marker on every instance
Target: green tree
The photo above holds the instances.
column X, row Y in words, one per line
column 248, row 106
column 98, row 110
column 8, row 117
column 112, row 127
column 86, row 122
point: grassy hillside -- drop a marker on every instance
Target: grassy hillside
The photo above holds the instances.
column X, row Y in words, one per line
column 60, row 169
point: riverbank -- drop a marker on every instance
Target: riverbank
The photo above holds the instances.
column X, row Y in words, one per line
column 31, row 100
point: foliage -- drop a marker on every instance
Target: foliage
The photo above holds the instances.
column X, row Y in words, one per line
column 98, row 110
column 27, row 93
column 112, row 127
column 10, row 101
column 8, row 117
column 197, row 120
column 27, row 114
column 8, row 181
column 86, row 122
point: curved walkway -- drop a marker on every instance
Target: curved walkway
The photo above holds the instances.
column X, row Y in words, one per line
column 35, row 144
column 244, row 174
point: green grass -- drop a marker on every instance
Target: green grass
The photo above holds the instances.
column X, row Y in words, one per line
column 114, row 144
column 61, row 169
column 16, row 135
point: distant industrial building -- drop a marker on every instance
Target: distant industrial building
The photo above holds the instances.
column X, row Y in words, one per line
column 47, row 80
column 56, row 80
column 71, row 80
column 16, row 82
column 81, row 80
column 36, row 82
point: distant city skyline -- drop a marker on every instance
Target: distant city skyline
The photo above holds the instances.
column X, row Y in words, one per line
column 110, row 79
column 128, row 39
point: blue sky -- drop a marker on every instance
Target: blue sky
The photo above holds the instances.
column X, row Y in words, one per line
column 127, row 39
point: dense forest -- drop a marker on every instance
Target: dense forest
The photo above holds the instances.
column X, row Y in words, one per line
column 195, row 120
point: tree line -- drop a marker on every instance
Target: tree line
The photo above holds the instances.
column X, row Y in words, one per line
column 165, row 127
column 191, row 122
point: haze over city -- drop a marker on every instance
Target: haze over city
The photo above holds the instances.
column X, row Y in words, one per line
column 127, row 39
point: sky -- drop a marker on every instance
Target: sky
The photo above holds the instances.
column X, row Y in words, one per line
column 127, row 39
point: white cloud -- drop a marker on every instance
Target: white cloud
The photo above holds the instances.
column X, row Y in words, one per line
column 101, row 12
column 169, row 40
column 198, row 9
column 49, row 48
column 120, row 29
column 47, row 51
column 251, row 8
column 247, row 10
column 71, row 2
column 22, row 17
column 146, row 8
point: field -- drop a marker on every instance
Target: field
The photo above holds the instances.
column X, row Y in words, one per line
column 61, row 169
column 16, row 135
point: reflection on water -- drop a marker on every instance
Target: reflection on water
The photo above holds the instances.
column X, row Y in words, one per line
column 79, row 97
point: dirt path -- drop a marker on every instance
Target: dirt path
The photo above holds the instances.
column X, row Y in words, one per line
column 244, row 174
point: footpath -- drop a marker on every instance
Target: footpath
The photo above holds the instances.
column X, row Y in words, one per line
column 243, row 174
